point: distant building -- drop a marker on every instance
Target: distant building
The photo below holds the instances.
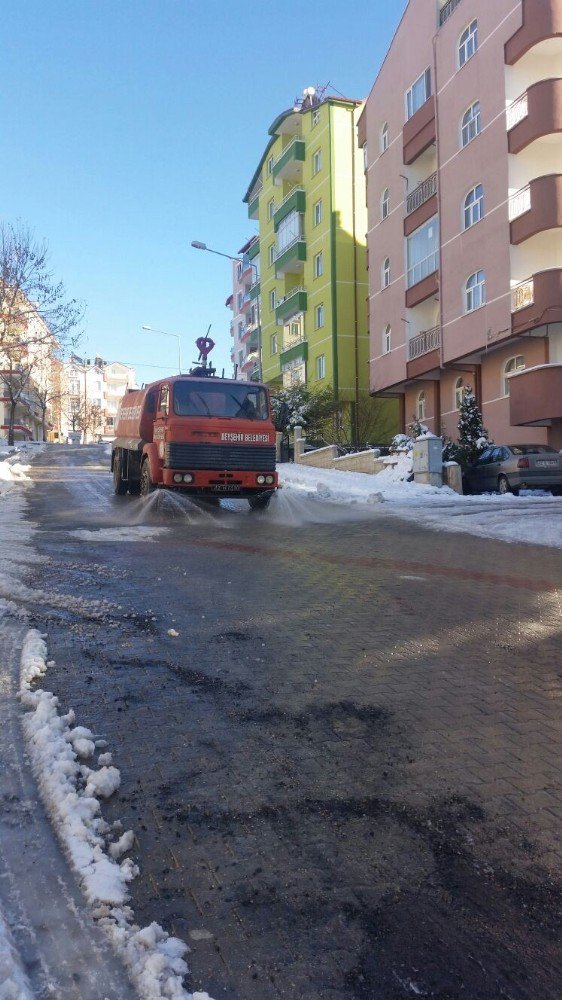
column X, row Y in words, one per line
column 462, row 138
column 245, row 305
column 28, row 373
column 91, row 395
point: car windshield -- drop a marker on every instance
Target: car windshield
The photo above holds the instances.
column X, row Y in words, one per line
column 531, row 449
column 208, row 398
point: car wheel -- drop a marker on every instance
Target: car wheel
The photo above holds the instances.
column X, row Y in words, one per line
column 503, row 486
column 119, row 485
column 259, row 502
column 146, row 485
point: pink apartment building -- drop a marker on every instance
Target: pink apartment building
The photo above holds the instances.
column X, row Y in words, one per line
column 462, row 137
column 244, row 302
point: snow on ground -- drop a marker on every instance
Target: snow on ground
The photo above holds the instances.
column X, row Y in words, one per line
column 531, row 517
column 14, row 984
column 135, row 533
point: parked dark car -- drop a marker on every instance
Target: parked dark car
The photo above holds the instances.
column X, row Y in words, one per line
column 508, row 468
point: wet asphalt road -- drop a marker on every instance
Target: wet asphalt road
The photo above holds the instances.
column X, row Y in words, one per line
column 343, row 772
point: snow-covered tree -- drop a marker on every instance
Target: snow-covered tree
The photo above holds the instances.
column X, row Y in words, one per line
column 473, row 436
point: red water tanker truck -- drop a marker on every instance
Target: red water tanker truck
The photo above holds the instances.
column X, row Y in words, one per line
column 200, row 435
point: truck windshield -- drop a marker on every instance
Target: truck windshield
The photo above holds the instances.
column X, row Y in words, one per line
column 209, row 399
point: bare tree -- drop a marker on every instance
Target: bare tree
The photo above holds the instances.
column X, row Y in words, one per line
column 36, row 319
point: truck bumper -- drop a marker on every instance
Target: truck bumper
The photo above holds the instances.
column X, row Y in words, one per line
column 217, row 483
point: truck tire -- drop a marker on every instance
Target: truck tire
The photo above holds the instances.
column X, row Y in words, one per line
column 259, row 502
column 146, row 485
column 120, row 487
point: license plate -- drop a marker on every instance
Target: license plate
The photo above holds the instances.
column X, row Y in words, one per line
column 227, row 488
column 545, row 463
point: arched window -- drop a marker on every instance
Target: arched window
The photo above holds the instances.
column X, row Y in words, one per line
column 385, row 203
column 473, row 209
column 468, row 43
column 385, row 273
column 384, row 137
column 386, row 339
column 420, row 406
column 513, row 365
column 459, row 388
column 470, row 125
column 475, row 291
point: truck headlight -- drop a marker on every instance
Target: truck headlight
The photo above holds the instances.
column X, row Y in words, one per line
column 269, row 480
column 187, row 477
column 260, row 480
column 178, row 477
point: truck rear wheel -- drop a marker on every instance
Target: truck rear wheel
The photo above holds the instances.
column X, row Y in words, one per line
column 119, row 485
column 259, row 502
column 146, row 485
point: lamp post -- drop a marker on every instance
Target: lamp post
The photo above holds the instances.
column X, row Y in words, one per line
column 203, row 246
column 152, row 329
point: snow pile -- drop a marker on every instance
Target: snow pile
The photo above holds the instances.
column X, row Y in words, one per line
column 134, row 533
column 397, row 468
column 71, row 791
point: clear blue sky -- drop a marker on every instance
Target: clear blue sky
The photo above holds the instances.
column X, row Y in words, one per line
column 131, row 127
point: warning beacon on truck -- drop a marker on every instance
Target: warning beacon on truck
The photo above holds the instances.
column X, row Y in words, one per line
column 206, row 436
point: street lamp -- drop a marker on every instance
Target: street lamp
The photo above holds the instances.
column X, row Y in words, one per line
column 203, row 246
column 151, row 329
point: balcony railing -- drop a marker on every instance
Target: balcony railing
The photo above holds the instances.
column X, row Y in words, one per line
column 519, row 203
column 516, row 112
column 421, row 194
column 447, row 9
column 424, row 342
column 423, row 268
column 288, row 197
column 523, row 295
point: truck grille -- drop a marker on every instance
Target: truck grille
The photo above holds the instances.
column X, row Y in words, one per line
column 255, row 458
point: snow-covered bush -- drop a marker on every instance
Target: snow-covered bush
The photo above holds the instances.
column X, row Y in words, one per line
column 473, row 436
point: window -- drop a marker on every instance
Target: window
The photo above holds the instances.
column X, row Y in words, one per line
column 290, row 229
column 385, row 204
column 474, row 206
column 240, row 330
column 423, row 252
column 270, row 165
column 420, row 406
column 317, row 162
column 475, row 291
column 75, row 387
column 318, row 212
column 384, row 138
column 468, row 43
column 271, row 254
column 318, row 265
column 321, row 366
column 513, row 365
column 386, row 339
column 319, row 316
column 271, row 208
column 272, row 300
column 239, row 300
column 470, row 126
column 459, row 389
column 418, row 93
column 273, row 343
column 315, row 118
column 365, row 157
column 239, row 270
column 385, row 273
column 164, row 404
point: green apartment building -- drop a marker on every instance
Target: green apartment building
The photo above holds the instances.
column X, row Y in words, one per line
column 308, row 197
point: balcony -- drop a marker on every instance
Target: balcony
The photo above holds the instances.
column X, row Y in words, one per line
column 541, row 22
column 422, row 280
column 419, row 132
column 447, row 9
column 294, row 353
column 295, row 302
column 537, row 301
column 535, row 396
column 250, row 362
column 254, row 250
column 536, row 208
column 423, row 352
column 254, row 291
column 254, row 207
column 290, row 260
column 421, row 204
column 535, row 114
column 289, row 165
column 295, row 201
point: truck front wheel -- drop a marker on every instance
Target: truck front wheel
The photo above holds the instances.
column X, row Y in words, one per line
column 146, row 485
column 119, row 485
column 259, row 502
